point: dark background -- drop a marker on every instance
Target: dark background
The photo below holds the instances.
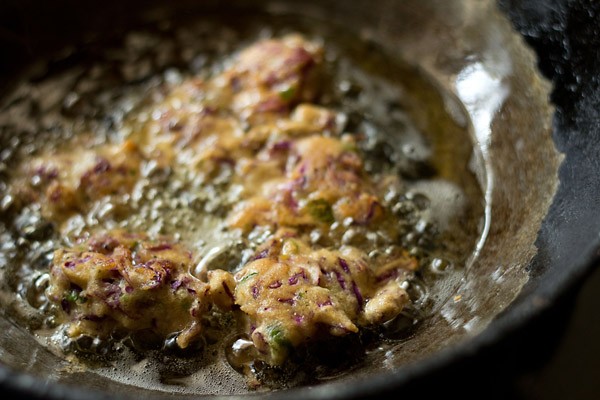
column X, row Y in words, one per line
column 566, row 37
column 573, row 367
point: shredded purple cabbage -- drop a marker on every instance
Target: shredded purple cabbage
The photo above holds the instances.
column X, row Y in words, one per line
column 344, row 265
column 227, row 291
column 325, row 303
column 112, row 294
column 275, row 285
column 272, row 104
column 161, row 247
column 294, row 278
column 46, row 173
column 393, row 273
column 285, row 300
column 371, row 212
column 102, row 166
column 263, row 254
column 282, row 145
column 358, row 294
column 340, row 279
column 176, row 284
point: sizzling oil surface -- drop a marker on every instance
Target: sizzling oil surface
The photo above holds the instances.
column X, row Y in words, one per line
column 106, row 93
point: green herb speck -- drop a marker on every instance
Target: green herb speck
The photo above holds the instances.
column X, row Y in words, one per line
column 73, row 297
column 250, row 275
column 277, row 336
column 288, row 94
column 320, row 210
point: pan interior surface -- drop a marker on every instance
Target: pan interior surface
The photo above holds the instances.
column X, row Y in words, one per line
column 471, row 89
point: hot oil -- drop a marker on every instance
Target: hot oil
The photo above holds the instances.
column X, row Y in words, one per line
column 399, row 116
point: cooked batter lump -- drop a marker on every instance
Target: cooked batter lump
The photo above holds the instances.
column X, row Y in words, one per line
column 294, row 187
column 123, row 281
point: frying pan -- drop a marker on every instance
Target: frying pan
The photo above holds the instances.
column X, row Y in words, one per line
column 540, row 238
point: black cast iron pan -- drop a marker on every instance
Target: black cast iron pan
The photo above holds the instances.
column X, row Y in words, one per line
column 543, row 233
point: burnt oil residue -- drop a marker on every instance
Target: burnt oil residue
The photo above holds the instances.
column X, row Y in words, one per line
column 105, row 89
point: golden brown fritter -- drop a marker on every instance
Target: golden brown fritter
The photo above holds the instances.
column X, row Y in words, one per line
column 69, row 181
column 318, row 181
column 120, row 281
column 293, row 294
